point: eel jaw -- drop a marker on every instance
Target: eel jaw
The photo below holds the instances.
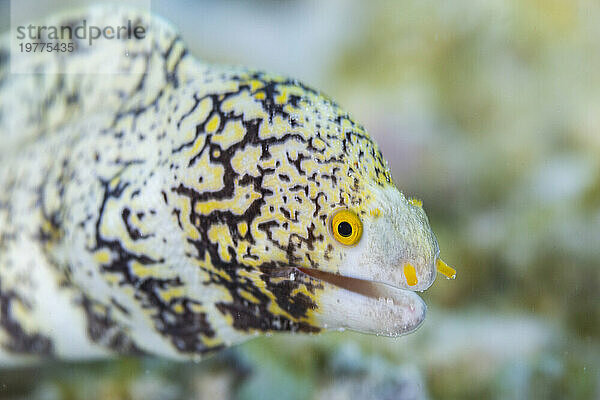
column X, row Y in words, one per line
column 366, row 306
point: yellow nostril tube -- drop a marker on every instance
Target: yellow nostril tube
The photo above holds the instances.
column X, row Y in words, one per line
column 445, row 269
column 411, row 275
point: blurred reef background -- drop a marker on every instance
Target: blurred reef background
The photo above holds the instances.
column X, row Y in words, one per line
column 489, row 111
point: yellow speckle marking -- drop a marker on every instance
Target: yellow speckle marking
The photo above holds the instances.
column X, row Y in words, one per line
column 411, row 275
column 282, row 98
column 178, row 308
column 319, row 144
column 220, row 234
column 243, row 198
column 255, row 85
column 445, row 269
column 247, row 161
column 172, row 293
column 416, row 202
column 213, row 124
column 196, row 308
column 102, row 257
column 142, row 271
column 376, row 212
column 232, row 133
column 198, row 144
column 243, row 228
column 115, row 181
column 248, row 296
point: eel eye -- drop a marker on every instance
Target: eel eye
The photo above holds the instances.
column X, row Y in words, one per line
column 346, row 227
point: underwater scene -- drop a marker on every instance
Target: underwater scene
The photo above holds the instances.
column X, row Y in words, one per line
column 335, row 199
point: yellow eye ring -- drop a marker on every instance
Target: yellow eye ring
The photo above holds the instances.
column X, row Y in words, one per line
column 346, row 227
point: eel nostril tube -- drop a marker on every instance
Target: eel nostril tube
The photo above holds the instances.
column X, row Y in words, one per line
column 445, row 269
column 411, row 275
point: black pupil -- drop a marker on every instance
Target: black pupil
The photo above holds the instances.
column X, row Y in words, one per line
column 345, row 229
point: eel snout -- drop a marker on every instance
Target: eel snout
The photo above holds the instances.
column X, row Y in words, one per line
column 366, row 306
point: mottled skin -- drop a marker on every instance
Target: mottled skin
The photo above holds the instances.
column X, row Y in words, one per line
column 168, row 212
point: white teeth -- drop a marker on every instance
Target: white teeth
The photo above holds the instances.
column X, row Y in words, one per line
column 393, row 312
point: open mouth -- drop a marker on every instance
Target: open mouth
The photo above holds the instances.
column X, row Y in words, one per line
column 363, row 305
column 363, row 287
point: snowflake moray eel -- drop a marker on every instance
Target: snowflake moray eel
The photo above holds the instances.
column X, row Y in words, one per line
column 187, row 207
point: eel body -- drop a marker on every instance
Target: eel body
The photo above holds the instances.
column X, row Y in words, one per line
column 178, row 207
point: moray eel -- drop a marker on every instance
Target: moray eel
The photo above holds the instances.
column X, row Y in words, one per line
column 180, row 207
